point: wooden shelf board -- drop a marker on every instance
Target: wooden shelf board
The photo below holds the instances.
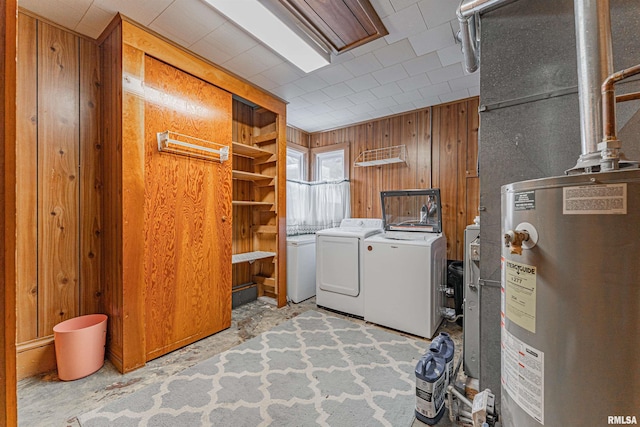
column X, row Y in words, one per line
column 267, row 137
column 251, row 256
column 249, row 176
column 249, row 151
column 266, row 229
column 249, row 203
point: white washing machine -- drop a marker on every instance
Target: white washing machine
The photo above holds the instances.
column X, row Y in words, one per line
column 339, row 254
column 301, row 267
column 405, row 267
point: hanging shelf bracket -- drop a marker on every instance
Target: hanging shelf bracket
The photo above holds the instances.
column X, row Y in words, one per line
column 382, row 156
column 176, row 143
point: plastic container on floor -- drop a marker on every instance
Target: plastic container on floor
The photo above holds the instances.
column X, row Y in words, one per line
column 79, row 344
column 446, row 349
column 430, row 387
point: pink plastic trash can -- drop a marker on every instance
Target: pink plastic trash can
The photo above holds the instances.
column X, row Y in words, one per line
column 79, row 344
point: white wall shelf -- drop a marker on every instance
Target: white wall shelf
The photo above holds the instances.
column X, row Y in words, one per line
column 382, row 156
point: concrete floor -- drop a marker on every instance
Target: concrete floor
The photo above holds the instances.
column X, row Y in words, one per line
column 44, row 400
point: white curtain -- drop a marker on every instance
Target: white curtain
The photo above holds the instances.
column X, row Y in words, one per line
column 313, row 206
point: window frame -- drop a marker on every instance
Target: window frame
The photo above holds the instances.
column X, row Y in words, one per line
column 343, row 147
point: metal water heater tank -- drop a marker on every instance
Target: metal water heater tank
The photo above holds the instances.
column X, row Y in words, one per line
column 571, row 300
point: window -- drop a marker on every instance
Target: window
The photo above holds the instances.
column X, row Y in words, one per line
column 296, row 169
column 331, row 163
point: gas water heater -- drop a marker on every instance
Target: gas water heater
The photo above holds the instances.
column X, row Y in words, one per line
column 571, row 300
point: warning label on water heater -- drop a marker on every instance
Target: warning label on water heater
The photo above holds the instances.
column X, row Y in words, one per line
column 523, row 374
column 606, row 199
column 520, row 298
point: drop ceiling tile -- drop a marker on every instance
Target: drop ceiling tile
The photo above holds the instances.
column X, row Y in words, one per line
column 433, row 39
column 187, row 21
column 435, row 90
column 404, row 23
column 94, row 22
column 298, row 104
column 423, row 63
column 315, row 97
column 67, row 13
column 341, row 58
column 361, row 97
column 382, row 112
column 437, row 12
column 284, row 74
column 395, row 53
column 338, row 90
column 474, row 91
column 390, row 74
column 362, row 83
column 230, row 39
column 402, row 108
column 454, row 96
column 208, row 48
column 364, row 64
column 446, row 73
column 426, row 102
column 311, row 83
column 263, row 82
column 368, row 47
column 287, row 92
column 465, row 82
column 383, row 7
column 407, row 97
column 415, row 82
column 319, row 109
column 252, row 62
column 450, row 55
column 334, row 74
column 389, row 89
column 342, row 113
column 361, row 108
column 383, row 103
column 143, row 12
column 401, row 4
column 339, row 103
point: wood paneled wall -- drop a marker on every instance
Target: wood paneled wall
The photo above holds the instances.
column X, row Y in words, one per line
column 8, row 398
column 58, row 179
column 442, row 147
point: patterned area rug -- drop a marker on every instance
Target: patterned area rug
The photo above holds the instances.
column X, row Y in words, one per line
column 314, row 369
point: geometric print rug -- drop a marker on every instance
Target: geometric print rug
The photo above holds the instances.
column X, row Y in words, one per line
column 312, row 370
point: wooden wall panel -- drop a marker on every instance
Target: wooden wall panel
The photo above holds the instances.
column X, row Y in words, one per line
column 8, row 397
column 27, row 181
column 131, row 233
column 441, row 153
column 111, row 232
column 187, row 225
column 58, row 210
column 297, row 136
column 58, row 160
column 91, row 179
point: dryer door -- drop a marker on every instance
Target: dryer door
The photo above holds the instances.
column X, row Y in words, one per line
column 338, row 265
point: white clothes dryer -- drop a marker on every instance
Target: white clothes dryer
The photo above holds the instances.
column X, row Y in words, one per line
column 339, row 260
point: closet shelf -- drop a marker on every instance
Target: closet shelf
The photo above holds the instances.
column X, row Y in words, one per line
column 382, row 156
column 251, row 256
column 249, row 151
column 249, row 176
column 250, row 203
column 267, row 137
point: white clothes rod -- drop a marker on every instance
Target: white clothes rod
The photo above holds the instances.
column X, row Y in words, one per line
column 176, row 143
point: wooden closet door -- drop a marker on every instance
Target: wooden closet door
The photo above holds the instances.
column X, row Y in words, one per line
column 187, row 212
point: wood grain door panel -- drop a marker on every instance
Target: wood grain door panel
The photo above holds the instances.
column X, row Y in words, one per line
column 187, row 212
